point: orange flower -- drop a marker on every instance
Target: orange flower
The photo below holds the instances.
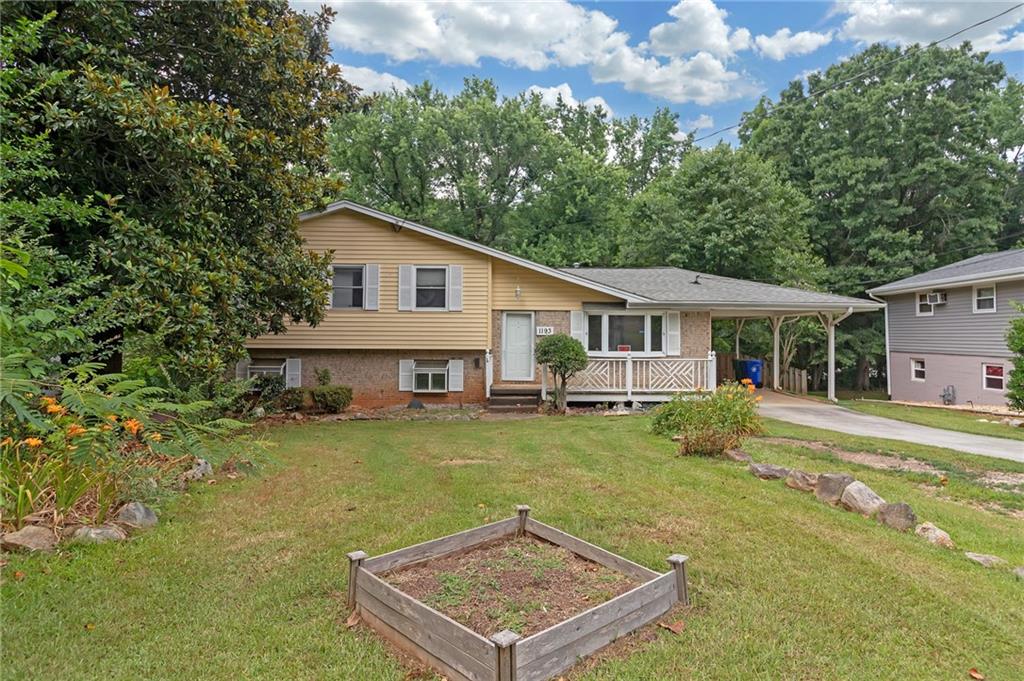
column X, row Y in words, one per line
column 133, row 426
column 55, row 409
column 156, row 437
column 758, row 398
column 106, row 426
column 112, row 418
column 6, row 441
column 33, row 441
column 75, row 429
column 47, row 400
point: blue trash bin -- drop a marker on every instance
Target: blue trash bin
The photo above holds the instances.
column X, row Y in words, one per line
column 750, row 368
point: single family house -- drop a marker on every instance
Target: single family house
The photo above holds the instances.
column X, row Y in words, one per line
column 946, row 329
column 418, row 312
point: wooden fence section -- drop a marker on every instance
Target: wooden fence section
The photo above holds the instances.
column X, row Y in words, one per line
column 552, row 651
column 794, row 381
column 439, row 547
column 589, row 551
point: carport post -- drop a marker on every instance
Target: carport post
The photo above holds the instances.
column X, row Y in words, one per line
column 830, row 320
column 776, row 323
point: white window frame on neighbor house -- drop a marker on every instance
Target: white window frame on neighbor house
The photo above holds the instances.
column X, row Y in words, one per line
column 918, row 302
column 604, row 350
column 415, row 288
column 362, row 287
column 431, row 371
column 985, row 376
column 975, row 298
column 914, row 369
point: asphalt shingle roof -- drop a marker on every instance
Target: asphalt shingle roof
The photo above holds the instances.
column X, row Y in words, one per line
column 971, row 269
column 675, row 285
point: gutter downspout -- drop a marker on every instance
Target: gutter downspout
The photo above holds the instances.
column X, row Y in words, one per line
column 888, row 360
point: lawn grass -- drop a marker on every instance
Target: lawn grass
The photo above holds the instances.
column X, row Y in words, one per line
column 247, row 579
column 950, row 419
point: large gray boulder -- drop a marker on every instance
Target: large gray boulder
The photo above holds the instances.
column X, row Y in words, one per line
column 860, row 498
column 830, row 487
column 897, row 516
column 768, row 471
column 137, row 514
column 99, row 534
column 29, row 538
column 934, row 535
column 985, row 559
column 802, row 481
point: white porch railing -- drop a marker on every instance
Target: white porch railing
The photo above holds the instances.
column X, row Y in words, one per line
column 644, row 376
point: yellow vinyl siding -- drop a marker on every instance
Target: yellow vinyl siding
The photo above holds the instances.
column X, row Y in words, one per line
column 357, row 240
column 539, row 291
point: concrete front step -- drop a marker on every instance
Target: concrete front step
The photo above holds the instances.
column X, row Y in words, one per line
column 514, row 399
column 524, row 390
column 512, row 408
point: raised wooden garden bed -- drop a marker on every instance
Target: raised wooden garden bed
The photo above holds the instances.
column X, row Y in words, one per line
column 459, row 652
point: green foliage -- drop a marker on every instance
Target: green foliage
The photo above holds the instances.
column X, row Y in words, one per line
column 323, row 376
column 270, row 387
column 291, row 399
column 331, row 398
column 1015, row 342
column 710, row 424
column 564, row 356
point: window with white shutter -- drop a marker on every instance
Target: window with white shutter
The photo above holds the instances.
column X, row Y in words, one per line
column 371, row 287
column 455, row 375
column 293, row 373
column 455, row 288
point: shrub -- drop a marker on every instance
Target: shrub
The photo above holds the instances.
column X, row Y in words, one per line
column 270, row 387
column 331, row 398
column 291, row 399
column 1015, row 341
column 323, row 376
column 710, row 424
column 565, row 357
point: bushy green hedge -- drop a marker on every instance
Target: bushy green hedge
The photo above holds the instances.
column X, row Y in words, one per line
column 331, row 398
column 291, row 399
column 710, row 424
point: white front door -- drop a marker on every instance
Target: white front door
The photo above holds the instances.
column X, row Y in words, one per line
column 517, row 347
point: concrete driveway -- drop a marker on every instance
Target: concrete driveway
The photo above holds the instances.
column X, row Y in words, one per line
column 818, row 414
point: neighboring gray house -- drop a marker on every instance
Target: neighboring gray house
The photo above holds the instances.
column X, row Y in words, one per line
column 946, row 329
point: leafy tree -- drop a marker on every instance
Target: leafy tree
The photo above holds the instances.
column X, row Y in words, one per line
column 201, row 126
column 645, row 147
column 565, row 357
column 1015, row 341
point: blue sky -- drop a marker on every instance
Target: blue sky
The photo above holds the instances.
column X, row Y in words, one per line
column 707, row 60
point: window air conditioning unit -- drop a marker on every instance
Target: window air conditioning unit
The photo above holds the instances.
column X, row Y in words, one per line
column 937, row 298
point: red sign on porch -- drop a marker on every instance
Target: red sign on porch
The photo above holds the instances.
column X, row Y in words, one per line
column 623, row 348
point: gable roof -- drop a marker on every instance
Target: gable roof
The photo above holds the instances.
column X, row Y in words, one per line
column 984, row 267
column 402, row 223
column 679, row 287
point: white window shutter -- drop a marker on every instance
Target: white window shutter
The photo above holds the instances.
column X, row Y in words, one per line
column 578, row 326
column 672, row 325
column 455, row 288
column 293, row 372
column 405, row 367
column 371, row 287
column 455, row 367
column 330, row 287
column 242, row 369
column 406, row 287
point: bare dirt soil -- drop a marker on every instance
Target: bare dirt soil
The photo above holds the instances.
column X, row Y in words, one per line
column 880, row 461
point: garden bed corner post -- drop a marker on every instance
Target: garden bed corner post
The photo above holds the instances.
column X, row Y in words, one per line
column 678, row 563
column 505, row 647
column 524, row 512
column 355, row 560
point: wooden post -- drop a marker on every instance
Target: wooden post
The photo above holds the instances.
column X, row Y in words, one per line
column 629, row 376
column 712, row 371
column 523, row 510
column 544, row 382
column 678, row 563
column 505, row 646
column 355, row 560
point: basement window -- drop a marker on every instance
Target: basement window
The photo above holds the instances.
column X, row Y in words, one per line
column 917, row 370
column 264, row 367
column 993, row 377
column 430, row 376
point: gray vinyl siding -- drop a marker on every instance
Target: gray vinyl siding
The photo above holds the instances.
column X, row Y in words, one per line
column 954, row 329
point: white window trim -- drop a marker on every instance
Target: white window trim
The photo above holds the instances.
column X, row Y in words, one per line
column 415, row 307
column 430, row 370
column 974, row 298
column 604, row 314
column 268, row 369
column 913, row 375
column 983, row 377
column 917, row 305
column 363, row 287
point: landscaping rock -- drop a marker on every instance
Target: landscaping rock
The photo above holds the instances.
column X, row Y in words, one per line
column 1016, row 423
column 860, row 498
column 802, row 481
column 200, row 469
column 830, row 487
column 100, row 534
column 137, row 514
column 1018, row 572
column 737, row 455
column 985, row 559
column 259, row 412
column 934, row 535
column 29, row 538
column 897, row 516
column 768, row 471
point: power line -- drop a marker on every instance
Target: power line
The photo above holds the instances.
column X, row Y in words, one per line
column 909, row 53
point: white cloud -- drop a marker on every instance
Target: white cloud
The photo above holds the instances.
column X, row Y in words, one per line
column 699, row 26
column 373, row 81
column 702, row 122
column 905, row 23
column 784, row 43
column 550, row 95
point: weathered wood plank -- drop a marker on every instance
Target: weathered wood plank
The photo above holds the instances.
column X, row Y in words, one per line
column 590, row 551
column 425, row 617
column 427, row 639
column 559, row 660
column 406, row 645
column 439, row 547
column 661, row 589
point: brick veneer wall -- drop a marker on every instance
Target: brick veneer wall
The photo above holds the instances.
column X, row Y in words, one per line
column 373, row 374
column 696, row 330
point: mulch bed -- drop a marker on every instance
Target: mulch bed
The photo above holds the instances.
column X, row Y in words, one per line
column 523, row 584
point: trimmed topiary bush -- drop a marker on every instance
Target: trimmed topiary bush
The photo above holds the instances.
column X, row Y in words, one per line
column 709, row 425
column 331, row 398
column 565, row 357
